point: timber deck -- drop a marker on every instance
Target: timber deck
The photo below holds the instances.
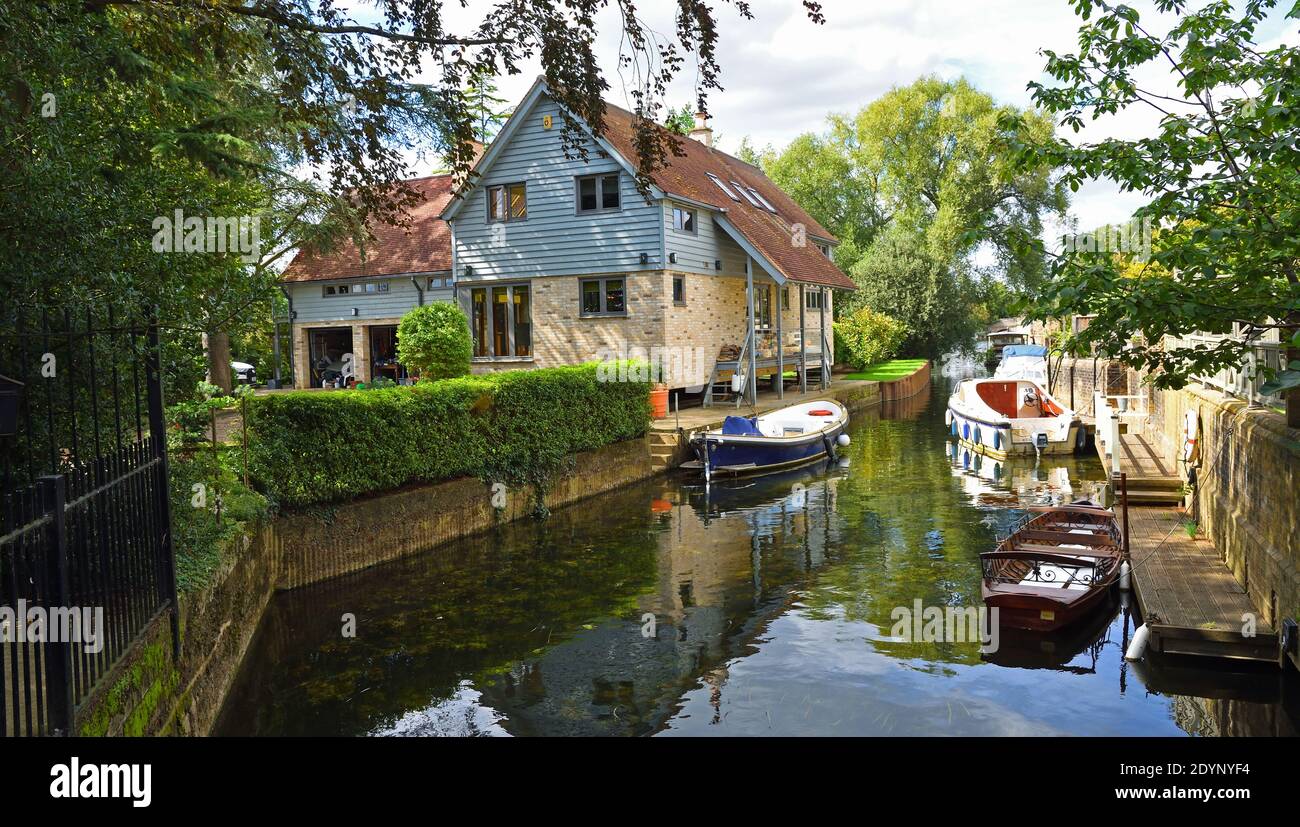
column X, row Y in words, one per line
column 1190, row 600
column 1152, row 473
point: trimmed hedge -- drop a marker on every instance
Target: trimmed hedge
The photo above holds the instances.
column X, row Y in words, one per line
column 516, row 427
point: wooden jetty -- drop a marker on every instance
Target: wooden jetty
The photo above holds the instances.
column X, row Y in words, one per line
column 1189, row 599
column 1152, row 471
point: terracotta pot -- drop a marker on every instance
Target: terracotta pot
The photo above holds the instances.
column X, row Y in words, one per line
column 659, row 401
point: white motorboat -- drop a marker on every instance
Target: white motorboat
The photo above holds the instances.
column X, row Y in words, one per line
column 1023, row 362
column 1009, row 417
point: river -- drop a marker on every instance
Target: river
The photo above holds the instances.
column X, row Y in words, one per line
column 768, row 606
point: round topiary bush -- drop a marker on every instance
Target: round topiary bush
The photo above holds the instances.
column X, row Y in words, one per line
column 433, row 341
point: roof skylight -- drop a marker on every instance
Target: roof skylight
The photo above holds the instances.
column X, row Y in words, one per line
column 722, row 186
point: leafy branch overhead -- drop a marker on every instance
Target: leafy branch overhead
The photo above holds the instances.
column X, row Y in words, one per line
column 1220, row 173
column 348, row 91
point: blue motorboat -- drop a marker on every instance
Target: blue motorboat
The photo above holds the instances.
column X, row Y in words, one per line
column 777, row 440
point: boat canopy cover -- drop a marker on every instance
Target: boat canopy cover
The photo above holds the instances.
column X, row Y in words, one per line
column 740, row 426
column 1024, row 350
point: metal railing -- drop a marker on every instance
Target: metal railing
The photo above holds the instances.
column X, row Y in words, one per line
column 85, row 536
column 1244, row 380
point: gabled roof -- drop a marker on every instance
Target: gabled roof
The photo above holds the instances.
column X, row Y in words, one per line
column 771, row 235
column 423, row 247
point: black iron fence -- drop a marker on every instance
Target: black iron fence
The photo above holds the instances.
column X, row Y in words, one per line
column 85, row 539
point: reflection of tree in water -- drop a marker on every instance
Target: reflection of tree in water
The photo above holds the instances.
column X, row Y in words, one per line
column 468, row 610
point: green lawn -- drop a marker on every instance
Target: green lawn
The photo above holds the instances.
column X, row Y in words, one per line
column 889, row 371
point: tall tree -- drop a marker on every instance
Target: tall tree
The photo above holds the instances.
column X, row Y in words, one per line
column 1220, row 171
column 114, row 113
column 680, row 121
column 929, row 172
column 488, row 109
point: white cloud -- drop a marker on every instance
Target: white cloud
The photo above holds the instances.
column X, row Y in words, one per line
column 782, row 74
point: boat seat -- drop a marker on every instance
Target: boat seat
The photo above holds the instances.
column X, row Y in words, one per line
column 1075, row 551
column 739, row 426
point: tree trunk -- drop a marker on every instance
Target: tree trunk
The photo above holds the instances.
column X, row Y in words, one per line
column 219, row 360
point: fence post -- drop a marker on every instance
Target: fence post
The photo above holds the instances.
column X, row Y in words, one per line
column 158, row 436
column 58, row 663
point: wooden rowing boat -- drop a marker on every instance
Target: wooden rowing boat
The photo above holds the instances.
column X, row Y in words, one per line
column 1055, row 568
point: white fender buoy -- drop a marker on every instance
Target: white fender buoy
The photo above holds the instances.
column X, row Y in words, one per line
column 947, row 417
column 843, row 439
column 1124, row 572
column 1139, row 643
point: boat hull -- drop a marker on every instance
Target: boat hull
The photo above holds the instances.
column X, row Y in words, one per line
column 729, row 456
column 1002, row 438
column 775, row 441
column 1054, row 570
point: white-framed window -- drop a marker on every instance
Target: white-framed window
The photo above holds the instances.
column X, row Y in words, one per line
column 337, row 289
column 501, row 321
column 597, row 193
column 813, row 299
column 825, row 248
column 684, row 220
column 603, row 297
column 440, row 282
column 507, row 202
column 679, row 290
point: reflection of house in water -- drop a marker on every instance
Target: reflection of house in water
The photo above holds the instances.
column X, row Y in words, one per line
column 720, row 583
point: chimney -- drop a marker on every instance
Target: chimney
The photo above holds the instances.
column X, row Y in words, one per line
column 701, row 131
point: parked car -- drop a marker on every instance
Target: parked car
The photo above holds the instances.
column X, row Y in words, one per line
column 245, row 374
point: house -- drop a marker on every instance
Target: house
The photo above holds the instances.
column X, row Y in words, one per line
column 561, row 260
column 344, row 308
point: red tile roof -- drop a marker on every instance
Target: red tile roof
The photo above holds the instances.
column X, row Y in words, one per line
column 773, row 235
column 423, row 247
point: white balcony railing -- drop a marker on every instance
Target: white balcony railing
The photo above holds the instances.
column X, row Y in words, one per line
column 1244, row 380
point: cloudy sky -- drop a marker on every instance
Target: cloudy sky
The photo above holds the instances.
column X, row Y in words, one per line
column 782, row 73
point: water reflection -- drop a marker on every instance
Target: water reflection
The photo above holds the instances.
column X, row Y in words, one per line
column 758, row 606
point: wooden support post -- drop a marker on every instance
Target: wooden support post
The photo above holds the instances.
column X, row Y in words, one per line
column 780, row 341
column 826, row 379
column 752, row 379
column 1123, row 493
column 803, row 345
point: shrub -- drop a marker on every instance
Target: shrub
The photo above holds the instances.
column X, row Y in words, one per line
column 433, row 341
column 518, row 427
column 867, row 337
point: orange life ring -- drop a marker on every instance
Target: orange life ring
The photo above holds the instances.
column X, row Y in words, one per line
column 821, row 412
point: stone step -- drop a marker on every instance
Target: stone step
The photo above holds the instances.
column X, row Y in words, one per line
column 1154, row 496
column 663, row 450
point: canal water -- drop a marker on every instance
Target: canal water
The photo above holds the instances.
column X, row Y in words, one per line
column 768, row 606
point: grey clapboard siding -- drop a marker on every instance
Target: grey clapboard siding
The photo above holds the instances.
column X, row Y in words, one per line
column 697, row 252
column 553, row 240
column 311, row 305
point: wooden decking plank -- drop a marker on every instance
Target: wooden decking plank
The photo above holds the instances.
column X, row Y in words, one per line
column 1182, row 581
